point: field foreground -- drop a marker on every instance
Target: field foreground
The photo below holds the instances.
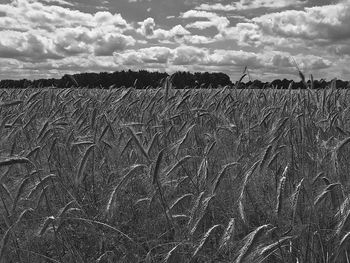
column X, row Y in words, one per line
column 174, row 175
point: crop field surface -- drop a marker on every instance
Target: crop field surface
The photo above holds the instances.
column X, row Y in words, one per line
column 165, row 175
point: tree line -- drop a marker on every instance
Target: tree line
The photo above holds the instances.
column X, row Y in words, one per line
column 144, row 79
column 139, row 79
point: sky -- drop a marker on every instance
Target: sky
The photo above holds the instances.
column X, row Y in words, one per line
column 272, row 38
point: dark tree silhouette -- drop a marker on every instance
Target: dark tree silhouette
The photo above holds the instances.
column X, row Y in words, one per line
column 144, row 79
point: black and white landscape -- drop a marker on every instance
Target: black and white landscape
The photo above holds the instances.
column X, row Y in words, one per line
column 199, row 131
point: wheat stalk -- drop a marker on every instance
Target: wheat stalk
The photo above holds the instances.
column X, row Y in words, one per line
column 228, row 235
column 204, row 240
column 249, row 242
column 280, row 191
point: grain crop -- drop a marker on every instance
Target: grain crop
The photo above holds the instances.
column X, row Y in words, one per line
column 167, row 175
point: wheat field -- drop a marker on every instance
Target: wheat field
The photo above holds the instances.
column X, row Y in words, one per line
column 165, row 175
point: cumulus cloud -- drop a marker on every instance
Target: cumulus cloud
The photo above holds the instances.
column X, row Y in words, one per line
column 178, row 33
column 106, row 45
column 31, row 30
column 316, row 26
column 244, row 33
column 26, row 46
column 188, row 55
column 74, row 41
column 239, row 58
column 279, row 60
column 330, row 22
column 148, row 29
column 31, row 14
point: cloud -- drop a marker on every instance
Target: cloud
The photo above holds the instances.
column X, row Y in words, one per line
column 60, row 2
column 216, row 7
column 33, row 15
column 26, row 46
column 281, row 61
column 151, row 55
column 341, row 49
column 188, row 55
column 238, row 58
column 330, row 22
column 312, row 62
column 310, row 27
column 148, row 29
column 71, row 65
column 177, row 34
column 74, row 41
column 196, row 40
column 104, row 18
column 266, row 60
column 182, row 55
column 305, row 62
column 177, row 31
column 249, row 4
column 37, row 32
column 108, row 44
column 212, row 20
column 246, row 34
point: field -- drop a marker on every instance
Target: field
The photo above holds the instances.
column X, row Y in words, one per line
column 167, row 175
